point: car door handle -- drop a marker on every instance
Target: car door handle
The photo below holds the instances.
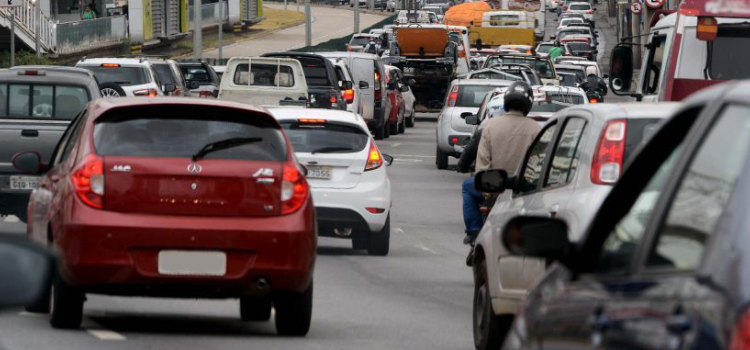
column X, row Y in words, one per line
column 30, row 133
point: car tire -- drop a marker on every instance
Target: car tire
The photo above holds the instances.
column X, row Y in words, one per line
column 67, row 305
column 111, row 90
column 379, row 242
column 386, row 129
column 256, row 309
column 379, row 133
column 294, row 312
column 393, row 128
column 411, row 121
column 441, row 159
column 402, row 125
column 489, row 329
column 42, row 304
column 359, row 241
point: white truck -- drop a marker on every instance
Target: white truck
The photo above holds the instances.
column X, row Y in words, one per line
column 264, row 81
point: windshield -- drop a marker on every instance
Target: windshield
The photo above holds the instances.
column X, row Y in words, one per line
column 568, row 79
column 544, row 48
column 578, row 72
column 473, row 95
column 496, row 75
column 578, row 46
column 196, row 73
column 731, row 53
column 165, row 74
column 360, row 40
column 120, row 75
column 579, row 7
column 542, row 67
column 325, row 137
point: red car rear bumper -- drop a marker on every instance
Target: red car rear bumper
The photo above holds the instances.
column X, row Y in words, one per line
column 117, row 253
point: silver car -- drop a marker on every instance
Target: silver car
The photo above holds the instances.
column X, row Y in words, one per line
column 464, row 98
column 568, row 171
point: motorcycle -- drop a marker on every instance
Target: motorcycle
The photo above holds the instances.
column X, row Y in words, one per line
column 594, row 96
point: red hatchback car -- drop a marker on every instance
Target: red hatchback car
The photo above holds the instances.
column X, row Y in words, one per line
column 176, row 197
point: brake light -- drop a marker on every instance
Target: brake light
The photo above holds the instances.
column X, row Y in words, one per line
column 453, row 96
column 590, row 12
column 349, row 48
column 374, row 159
column 146, row 92
column 205, row 94
column 111, row 65
column 378, row 93
column 741, row 334
column 32, row 72
column 311, row 121
column 376, row 210
column 88, row 180
column 348, row 95
column 294, row 190
column 707, row 28
column 593, row 100
column 607, row 164
column 334, row 101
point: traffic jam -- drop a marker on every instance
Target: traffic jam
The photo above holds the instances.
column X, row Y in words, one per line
column 596, row 178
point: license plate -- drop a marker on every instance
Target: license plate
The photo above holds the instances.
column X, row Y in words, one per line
column 195, row 263
column 24, row 182
column 319, row 172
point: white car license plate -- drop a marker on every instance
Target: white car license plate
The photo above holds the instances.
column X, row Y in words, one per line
column 24, row 182
column 196, row 263
column 319, row 172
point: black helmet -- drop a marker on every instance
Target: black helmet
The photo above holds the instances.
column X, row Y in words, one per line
column 519, row 96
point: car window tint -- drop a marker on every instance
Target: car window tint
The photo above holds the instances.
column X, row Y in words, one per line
column 56, row 157
column 325, row 137
column 180, row 132
column 120, row 75
column 69, row 100
column 532, row 170
column 19, row 99
column 567, row 153
column 41, row 98
column 472, row 95
column 77, row 128
column 264, row 75
column 3, row 99
column 197, row 73
column 621, row 243
column 703, row 192
column 164, row 73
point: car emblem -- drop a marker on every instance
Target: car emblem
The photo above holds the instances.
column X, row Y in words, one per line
column 194, row 168
column 194, row 185
column 121, row 169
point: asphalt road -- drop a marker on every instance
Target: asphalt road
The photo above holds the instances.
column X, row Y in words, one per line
column 328, row 23
column 417, row 297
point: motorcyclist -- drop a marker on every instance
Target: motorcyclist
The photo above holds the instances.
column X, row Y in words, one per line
column 502, row 144
column 555, row 52
column 593, row 82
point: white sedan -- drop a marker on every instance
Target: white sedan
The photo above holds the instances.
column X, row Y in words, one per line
column 346, row 173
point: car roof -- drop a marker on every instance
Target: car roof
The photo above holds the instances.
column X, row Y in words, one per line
column 141, row 61
column 317, row 113
column 100, row 106
column 53, row 75
column 630, row 110
column 369, row 35
column 570, row 66
column 482, row 82
column 341, row 54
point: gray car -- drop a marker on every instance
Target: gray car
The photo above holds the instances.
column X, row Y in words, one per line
column 36, row 105
column 464, row 98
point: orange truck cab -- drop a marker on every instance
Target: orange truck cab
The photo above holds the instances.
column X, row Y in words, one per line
column 703, row 43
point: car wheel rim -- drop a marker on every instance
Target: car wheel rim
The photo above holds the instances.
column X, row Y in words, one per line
column 109, row 92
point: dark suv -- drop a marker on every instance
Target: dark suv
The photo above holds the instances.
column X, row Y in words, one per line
column 36, row 106
column 322, row 86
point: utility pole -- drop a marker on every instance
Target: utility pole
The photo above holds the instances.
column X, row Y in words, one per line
column 197, row 29
column 356, row 15
column 298, row 5
column 38, row 20
column 221, row 25
column 285, row 5
column 308, row 24
column 12, row 37
column 637, row 38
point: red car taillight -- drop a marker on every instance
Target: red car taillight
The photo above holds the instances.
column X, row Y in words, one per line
column 349, row 47
column 348, row 95
column 334, row 101
column 593, row 100
column 607, row 164
column 374, row 159
column 88, row 180
column 146, row 92
column 453, row 96
column 590, row 12
column 378, row 92
column 294, row 190
column 205, row 94
column 741, row 334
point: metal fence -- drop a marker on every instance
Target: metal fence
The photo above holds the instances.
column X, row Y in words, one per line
column 211, row 13
column 91, row 34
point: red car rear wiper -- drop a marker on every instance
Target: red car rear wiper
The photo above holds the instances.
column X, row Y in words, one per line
column 224, row 144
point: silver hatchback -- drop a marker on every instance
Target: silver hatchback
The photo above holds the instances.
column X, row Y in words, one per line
column 464, row 98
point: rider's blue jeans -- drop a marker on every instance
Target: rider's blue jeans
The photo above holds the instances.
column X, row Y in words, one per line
column 472, row 215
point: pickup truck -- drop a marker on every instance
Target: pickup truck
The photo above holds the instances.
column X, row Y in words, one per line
column 322, row 83
column 264, row 81
column 36, row 105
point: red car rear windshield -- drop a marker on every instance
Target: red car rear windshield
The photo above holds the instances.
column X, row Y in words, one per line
column 175, row 132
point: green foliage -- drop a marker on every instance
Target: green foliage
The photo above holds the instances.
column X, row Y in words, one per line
column 339, row 44
column 22, row 58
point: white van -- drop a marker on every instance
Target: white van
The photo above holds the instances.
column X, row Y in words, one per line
column 264, row 81
column 368, row 73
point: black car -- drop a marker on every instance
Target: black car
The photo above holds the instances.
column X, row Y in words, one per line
column 322, row 82
column 664, row 263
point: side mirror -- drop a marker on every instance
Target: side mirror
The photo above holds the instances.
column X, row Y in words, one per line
column 28, row 162
column 25, row 269
column 169, row 88
column 388, row 159
column 605, row 76
column 472, row 120
column 404, row 88
column 346, row 85
column 192, row 85
column 621, row 69
column 492, row 181
column 364, row 85
column 537, row 237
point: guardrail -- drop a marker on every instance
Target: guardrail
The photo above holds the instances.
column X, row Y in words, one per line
column 91, row 34
column 210, row 13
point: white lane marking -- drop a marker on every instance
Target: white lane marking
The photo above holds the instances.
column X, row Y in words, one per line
column 100, row 332
column 11, row 218
column 427, row 249
column 31, row 314
column 396, row 144
column 399, row 230
column 407, row 160
column 411, row 156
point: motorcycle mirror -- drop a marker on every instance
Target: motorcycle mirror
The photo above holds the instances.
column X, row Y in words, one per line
column 388, row 159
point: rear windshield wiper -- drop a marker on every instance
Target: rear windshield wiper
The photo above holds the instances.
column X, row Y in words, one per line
column 224, row 144
column 331, row 149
